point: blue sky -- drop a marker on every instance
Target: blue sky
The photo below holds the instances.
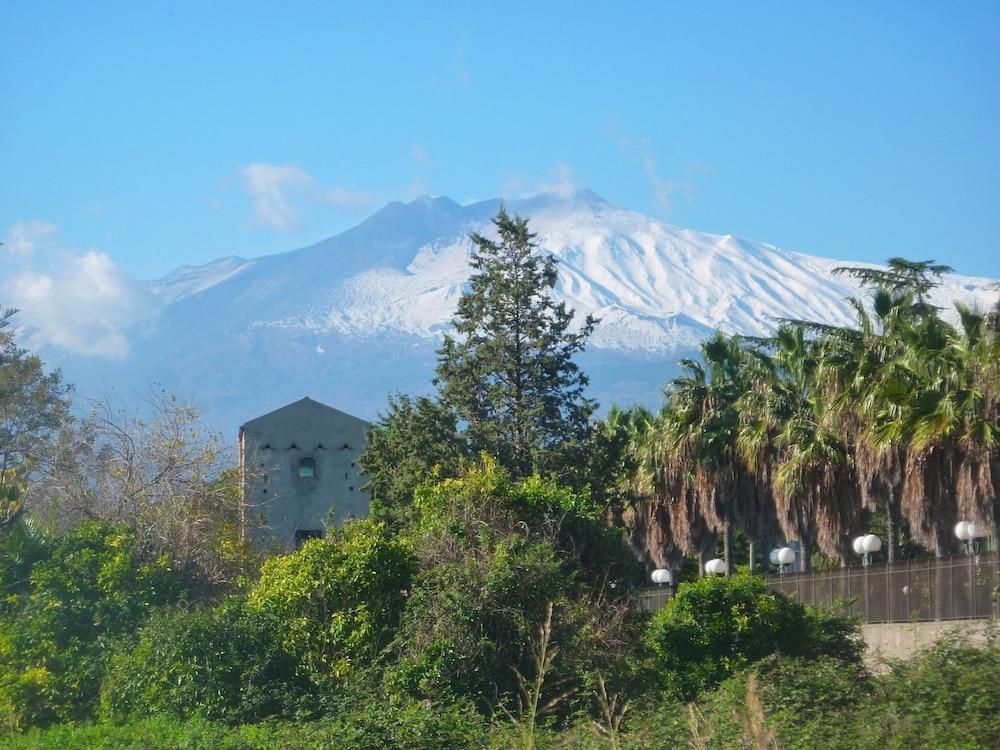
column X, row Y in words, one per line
column 159, row 134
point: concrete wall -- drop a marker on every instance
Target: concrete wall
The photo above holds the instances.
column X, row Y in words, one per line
column 271, row 450
column 901, row 640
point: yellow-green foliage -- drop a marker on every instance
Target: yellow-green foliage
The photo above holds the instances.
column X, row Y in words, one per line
column 337, row 601
column 88, row 590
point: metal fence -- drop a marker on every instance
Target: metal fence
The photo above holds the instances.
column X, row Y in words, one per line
column 947, row 588
column 652, row 599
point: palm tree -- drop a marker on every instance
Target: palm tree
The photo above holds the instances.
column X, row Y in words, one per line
column 854, row 363
column 710, row 480
column 941, row 400
column 790, row 431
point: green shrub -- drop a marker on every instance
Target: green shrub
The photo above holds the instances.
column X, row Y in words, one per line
column 225, row 663
column 336, row 602
column 56, row 641
column 947, row 696
column 468, row 623
column 715, row 627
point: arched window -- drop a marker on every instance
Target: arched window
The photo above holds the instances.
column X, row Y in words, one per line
column 307, row 468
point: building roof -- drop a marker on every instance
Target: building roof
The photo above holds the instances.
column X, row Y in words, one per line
column 303, row 403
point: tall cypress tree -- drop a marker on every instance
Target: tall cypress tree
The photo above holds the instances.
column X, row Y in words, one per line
column 508, row 370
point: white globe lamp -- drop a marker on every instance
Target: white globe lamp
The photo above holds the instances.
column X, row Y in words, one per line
column 859, row 545
column 716, row 567
column 872, row 544
column 786, row 555
column 661, row 576
column 965, row 530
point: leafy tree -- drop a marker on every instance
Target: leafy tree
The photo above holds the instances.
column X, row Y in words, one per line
column 54, row 648
column 160, row 472
column 508, row 371
column 417, row 438
column 33, row 406
column 911, row 277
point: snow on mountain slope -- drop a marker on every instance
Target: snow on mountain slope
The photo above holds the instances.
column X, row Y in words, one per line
column 359, row 315
column 188, row 280
column 655, row 287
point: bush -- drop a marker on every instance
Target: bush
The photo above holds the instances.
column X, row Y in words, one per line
column 715, row 627
column 468, row 623
column 336, row 603
column 495, row 553
column 225, row 663
column 946, row 696
column 56, row 639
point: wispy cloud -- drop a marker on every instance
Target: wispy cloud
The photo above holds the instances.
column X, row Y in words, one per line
column 268, row 185
column 275, row 188
column 664, row 189
column 455, row 69
column 23, row 237
column 562, row 182
column 456, row 64
column 80, row 302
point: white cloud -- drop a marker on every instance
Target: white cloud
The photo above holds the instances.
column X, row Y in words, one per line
column 82, row 303
column 23, row 237
column 267, row 185
column 663, row 189
column 274, row 186
column 561, row 182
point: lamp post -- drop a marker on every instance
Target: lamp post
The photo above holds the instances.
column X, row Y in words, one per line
column 966, row 532
column 786, row 556
column 866, row 546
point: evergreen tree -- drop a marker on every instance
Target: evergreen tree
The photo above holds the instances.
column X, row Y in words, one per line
column 412, row 441
column 508, row 371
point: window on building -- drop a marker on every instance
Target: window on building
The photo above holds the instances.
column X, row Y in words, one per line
column 307, row 468
column 304, row 535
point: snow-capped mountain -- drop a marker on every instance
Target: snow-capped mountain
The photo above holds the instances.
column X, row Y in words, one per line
column 350, row 318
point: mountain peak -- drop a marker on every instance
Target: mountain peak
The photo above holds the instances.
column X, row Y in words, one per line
column 577, row 199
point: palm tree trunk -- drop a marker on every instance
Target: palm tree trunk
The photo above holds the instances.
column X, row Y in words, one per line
column 727, row 547
column 939, row 582
column 891, row 529
column 702, row 559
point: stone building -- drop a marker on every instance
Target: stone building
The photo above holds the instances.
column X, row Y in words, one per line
column 297, row 464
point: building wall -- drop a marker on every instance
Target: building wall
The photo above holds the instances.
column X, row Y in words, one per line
column 272, row 448
column 901, row 640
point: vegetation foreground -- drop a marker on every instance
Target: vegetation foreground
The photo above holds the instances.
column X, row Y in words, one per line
column 488, row 599
column 944, row 698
